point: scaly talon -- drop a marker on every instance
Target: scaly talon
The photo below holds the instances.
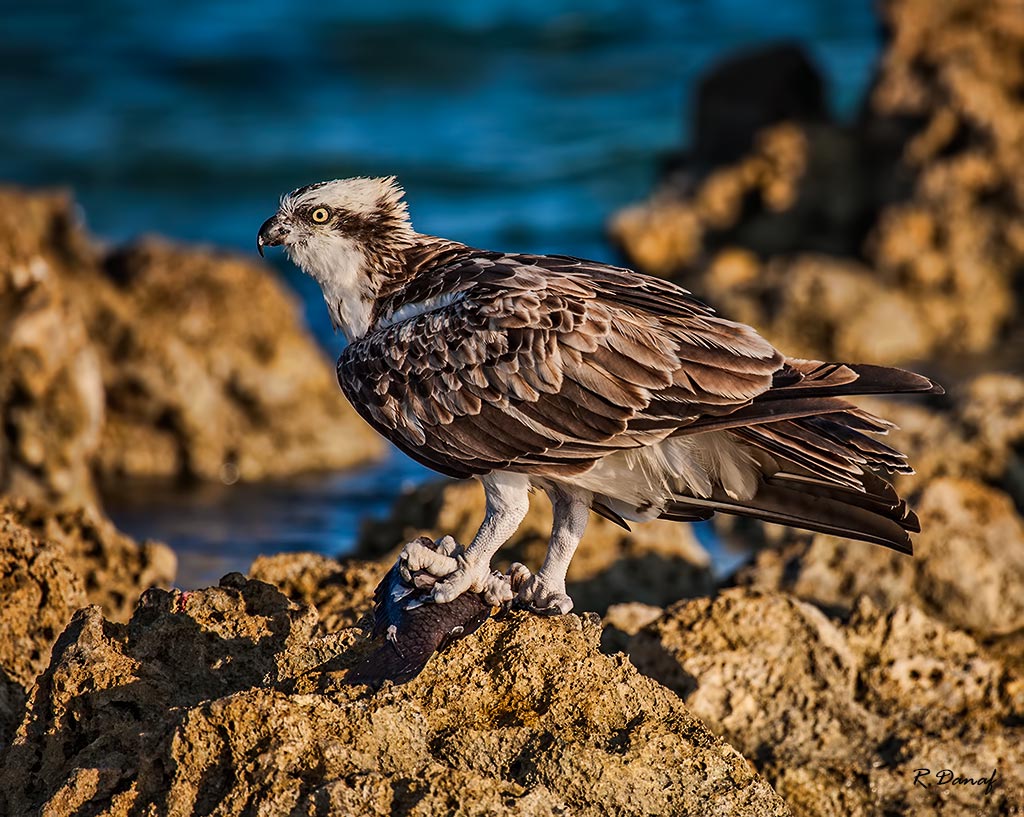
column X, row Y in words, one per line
column 420, row 555
column 536, row 596
column 466, row 576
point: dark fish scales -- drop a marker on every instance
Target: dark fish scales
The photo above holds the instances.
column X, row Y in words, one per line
column 413, row 627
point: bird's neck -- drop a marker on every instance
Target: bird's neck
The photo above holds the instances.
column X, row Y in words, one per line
column 344, row 271
column 415, row 279
column 355, row 275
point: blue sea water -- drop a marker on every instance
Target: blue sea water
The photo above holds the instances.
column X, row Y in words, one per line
column 513, row 124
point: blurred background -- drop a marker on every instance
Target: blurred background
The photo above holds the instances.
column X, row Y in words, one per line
column 843, row 175
column 513, row 125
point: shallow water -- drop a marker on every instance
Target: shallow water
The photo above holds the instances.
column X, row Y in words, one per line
column 513, row 125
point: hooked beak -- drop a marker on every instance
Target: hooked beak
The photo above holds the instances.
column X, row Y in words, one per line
column 271, row 234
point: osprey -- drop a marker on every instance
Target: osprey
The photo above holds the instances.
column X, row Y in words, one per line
column 609, row 390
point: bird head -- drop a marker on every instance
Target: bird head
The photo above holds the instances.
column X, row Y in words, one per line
column 348, row 234
column 362, row 212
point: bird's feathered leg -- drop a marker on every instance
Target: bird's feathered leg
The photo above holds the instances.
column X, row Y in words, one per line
column 508, row 499
column 545, row 593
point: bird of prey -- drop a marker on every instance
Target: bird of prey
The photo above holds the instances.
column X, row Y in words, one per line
column 609, row 390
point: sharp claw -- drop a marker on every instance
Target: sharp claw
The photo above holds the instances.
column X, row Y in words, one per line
column 423, row 581
column 518, row 575
column 534, row 595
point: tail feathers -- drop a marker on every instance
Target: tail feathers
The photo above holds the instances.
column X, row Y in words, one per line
column 887, row 504
column 810, row 388
column 687, row 513
column 803, row 502
column 825, row 446
column 812, row 378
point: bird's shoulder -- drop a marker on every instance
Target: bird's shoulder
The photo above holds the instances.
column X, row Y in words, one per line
column 444, row 273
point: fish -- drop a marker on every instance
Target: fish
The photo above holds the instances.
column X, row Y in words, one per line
column 411, row 626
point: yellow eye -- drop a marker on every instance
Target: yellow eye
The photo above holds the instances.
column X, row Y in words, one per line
column 320, row 215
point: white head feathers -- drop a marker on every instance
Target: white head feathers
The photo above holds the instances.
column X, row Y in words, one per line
column 348, row 234
column 361, row 196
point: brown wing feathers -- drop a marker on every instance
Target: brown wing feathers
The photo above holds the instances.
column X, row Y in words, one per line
column 546, row 364
column 563, row 353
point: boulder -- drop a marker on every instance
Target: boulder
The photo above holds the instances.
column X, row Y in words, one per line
column 39, row 591
column 113, row 568
column 52, row 404
column 839, row 716
column 898, row 238
column 226, row 699
column 152, row 360
column 341, row 591
column 967, row 568
column 51, row 564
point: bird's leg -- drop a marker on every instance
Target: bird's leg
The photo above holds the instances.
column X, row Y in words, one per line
column 544, row 593
column 508, row 499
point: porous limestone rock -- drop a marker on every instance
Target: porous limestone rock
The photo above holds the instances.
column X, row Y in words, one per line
column 967, row 568
column 51, row 564
column 340, row 590
column 897, row 238
column 39, row 591
column 152, row 360
column 114, row 568
column 838, row 717
column 226, row 699
column 51, row 387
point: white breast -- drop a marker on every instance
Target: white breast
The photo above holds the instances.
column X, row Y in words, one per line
column 339, row 265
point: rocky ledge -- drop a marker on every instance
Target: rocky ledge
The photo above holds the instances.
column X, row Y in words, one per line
column 240, row 696
column 228, row 700
column 898, row 237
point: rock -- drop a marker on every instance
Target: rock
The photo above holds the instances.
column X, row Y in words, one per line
column 51, row 388
column 226, row 698
column 750, row 91
column 896, row 239
column 813, row 305
column 340, row 590
column 977, row 434
column 51, row 564
column 838, row 717
column 243, row 392
column 991, row 415
column 967, row 568
column 669, row 232
column 113, row 568
column 152, row 360
column 623, row 621
column 39, row 591
column 655, row 563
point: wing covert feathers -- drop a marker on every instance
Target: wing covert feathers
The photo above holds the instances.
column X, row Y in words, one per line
column 547, row 364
